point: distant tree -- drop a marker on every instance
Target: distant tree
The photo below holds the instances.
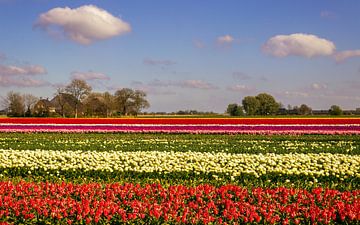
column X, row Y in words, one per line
column 60, row 100
column 29, row 101
column 235, row 110
column 14, row 102
column 267, row 104
column 79, row 89
column 304, row 110
column 335, row 110
column 139, row 102
column 94, row 105
column 251, row 105
column 130, row 101
column 109, row 101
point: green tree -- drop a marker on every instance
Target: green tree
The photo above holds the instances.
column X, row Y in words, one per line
column 251, row 105
column 335, row 110
column 235, row 110
column 267, row 104
column 304, row 110
column 79, row 89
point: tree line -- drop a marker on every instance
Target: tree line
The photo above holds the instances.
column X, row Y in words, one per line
column 77, row 99
column 265, row 104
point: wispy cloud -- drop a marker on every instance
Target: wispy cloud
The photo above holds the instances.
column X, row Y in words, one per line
column 318, row 86
column 3, row 57
column 344, row 55
column 10, row 70
column 226, row 39
column 240, row 76
column 240, row 88
column 83, row 25
column 151, row 90
column 6, row 81
column 158, row 62
column 199, row 44
column 295, row 94
column 90, row 75
column 326, row 14
column 195, row 84
column 306, row 45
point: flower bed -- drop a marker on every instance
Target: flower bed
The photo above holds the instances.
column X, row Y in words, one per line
column 205, row 129
column 234, row 165
column 196, row 121
column 67, row 203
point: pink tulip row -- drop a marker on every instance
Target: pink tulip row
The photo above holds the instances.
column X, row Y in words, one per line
column 188, row 128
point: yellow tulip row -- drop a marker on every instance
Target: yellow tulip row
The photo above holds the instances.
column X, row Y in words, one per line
column 315, row 165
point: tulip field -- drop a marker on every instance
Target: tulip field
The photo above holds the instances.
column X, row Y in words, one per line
column 180, row 171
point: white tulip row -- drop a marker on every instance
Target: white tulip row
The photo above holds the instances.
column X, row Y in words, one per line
column 316, row 165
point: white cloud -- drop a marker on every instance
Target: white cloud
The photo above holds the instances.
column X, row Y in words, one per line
column 9, row 70
column 344, row 55
column 306, row 45
column 317, row 86
column 240, row 88
column 83, row 25
column 89, row 76
column 226, row 39
column 155, row 62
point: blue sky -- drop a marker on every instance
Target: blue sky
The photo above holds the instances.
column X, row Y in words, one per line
column 186, row 54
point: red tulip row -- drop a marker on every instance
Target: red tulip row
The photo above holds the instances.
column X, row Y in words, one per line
column 96, row 203
column 193, row 121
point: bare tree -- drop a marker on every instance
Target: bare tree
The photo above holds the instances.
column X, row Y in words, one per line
column 130, row 102
column 79, row 89
column 29, row 101
column 14, row 103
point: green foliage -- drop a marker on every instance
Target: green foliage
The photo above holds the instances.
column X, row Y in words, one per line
column 267, row 104
column 280, row 144
column 335, row 110
column 304, row 110
column 235, row 110
column 251, row 105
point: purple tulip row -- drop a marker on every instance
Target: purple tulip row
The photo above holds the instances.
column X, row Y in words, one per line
column 221, row 129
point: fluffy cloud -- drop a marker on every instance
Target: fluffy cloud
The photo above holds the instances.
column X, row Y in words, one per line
column 240, row 88
column 83, row 25
column 226, row 39
column 306, row 45
column 89, row 76
column 344, row 55
column 9, row 70
column 155, row 62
